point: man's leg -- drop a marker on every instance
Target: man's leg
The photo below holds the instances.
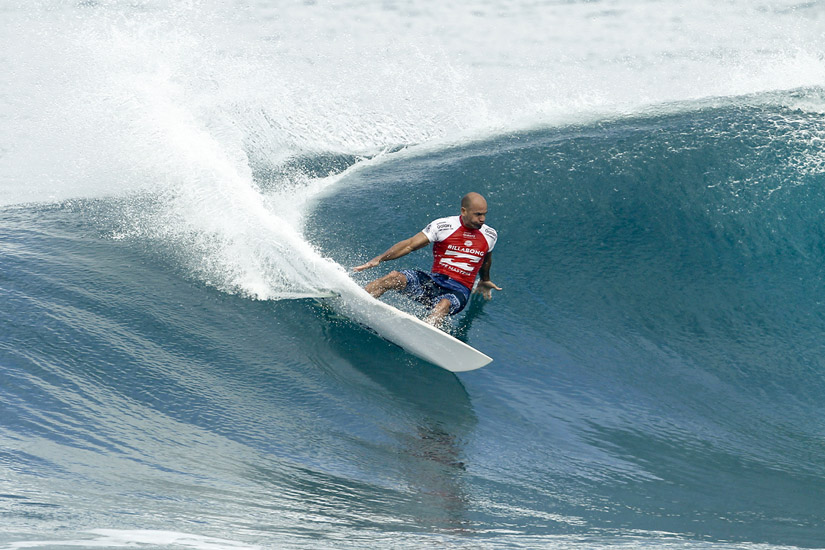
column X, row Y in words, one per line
column 391, row 281
column 441, row 309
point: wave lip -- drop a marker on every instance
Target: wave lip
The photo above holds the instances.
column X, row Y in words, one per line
column 269, row 85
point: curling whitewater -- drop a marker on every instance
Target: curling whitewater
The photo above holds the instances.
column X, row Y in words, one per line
column 657, row 378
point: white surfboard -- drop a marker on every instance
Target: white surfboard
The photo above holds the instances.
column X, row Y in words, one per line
column 410, row 333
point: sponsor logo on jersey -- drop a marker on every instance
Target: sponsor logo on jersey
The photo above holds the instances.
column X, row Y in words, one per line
column 462, row 267
column 461, row 259
column 455, row 250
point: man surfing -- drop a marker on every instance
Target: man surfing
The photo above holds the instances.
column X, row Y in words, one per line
column 462, row 250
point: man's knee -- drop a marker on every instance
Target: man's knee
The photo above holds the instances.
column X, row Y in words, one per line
column 391, row 281
column 396, row 280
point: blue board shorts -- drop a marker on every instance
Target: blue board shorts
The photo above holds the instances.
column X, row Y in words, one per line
column 431, row 288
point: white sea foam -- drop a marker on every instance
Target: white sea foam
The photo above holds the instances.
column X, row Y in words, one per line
column 124, row 538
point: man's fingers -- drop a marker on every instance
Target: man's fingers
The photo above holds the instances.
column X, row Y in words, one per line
column 362, row 267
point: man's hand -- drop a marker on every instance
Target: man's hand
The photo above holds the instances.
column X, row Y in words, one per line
column 369, row 265
column 485, row 288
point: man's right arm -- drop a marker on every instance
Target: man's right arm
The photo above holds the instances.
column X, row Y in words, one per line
column 399, row 249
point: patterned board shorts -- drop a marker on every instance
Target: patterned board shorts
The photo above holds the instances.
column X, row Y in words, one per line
column 431, row 288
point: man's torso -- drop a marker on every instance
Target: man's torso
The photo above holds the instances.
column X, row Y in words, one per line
column 459, row 252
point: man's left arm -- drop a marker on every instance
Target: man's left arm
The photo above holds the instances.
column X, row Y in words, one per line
column 485, row 286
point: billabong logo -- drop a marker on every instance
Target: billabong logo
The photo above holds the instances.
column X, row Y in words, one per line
column 468, row 243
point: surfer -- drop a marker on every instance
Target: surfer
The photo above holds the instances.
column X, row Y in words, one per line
column 462, row 250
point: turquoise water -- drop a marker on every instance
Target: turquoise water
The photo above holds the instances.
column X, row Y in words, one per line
column 172, row 175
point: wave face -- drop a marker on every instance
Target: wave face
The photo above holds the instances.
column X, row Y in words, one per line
column 173, row 177
column 658, row 336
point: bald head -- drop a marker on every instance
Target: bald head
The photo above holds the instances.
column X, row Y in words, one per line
column 473, row 199
column 473, row 210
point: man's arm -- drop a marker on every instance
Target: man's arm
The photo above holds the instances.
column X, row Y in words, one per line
column 399, row 249
column 485, row 286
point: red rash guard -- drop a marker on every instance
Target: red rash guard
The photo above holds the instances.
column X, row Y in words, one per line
column 459, row 252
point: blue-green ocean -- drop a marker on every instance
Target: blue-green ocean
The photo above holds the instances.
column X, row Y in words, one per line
column 175, row 176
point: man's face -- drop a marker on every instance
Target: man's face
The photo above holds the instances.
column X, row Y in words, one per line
column 474, row 215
